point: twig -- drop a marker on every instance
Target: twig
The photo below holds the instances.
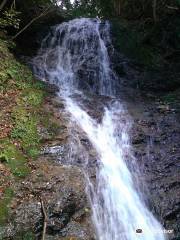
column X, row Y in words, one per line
column 45, row 220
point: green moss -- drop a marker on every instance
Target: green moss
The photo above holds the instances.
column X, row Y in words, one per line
column 32, row 97
column 25, row 129
column 12, row 73
column 25, row 115
column 4, row 203
column 13, row 158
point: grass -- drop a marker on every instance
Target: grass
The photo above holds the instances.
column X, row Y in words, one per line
column 30, row 94
column 4, row 209
column 25, row 129
column 21, row 98
column 13, row 159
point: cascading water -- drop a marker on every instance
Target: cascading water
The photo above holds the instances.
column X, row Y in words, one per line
column 74, row 56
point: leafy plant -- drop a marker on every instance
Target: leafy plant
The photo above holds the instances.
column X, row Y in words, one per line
column 10, row 18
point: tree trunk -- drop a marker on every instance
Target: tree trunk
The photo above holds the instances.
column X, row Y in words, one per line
column 3, row 4
column 119, row 8
column 154, row 10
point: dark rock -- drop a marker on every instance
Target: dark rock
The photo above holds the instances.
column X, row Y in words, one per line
column 62, row 190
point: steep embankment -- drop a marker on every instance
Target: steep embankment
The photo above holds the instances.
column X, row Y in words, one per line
column 34, row 135
column 21, row 98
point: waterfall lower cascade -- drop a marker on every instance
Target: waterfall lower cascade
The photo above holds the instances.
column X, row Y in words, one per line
column 74, row 56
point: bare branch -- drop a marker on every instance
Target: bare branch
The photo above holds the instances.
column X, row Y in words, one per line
column 45, row 220
column 33, row 20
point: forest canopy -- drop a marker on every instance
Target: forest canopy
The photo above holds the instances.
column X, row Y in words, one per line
column 14, row 11
column 148, row 30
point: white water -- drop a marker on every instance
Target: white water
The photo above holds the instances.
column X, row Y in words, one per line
column 75, row 52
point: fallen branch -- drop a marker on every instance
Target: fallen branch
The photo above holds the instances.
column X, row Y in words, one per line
column 45, row 220
column 33, row 20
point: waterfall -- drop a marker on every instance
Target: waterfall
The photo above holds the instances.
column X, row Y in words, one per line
column 75, row 56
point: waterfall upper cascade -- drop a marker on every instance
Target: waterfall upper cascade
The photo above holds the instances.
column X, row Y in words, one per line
column 75, row 56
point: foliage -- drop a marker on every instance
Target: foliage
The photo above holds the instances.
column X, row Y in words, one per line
column 12, row 73
column 30, row 94
column 154, row 47
column 129, row 39
column 32, row 97
column 128, row 9
column 21, row 97
column 25, row 129
column 10, row 18
column 25, row 116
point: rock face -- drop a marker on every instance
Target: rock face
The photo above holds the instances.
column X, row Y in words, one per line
column 155, row 137
column 156, row 141
column 62, row 190
column 54, row 184
column 57, row 177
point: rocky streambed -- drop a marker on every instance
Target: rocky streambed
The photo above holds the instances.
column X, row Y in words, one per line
column 57, row 183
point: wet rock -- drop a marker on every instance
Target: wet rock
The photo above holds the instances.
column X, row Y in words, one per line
column 62, row 190
column 138, row 139
column 57, row 176
column 156, row 143
column 51, row 88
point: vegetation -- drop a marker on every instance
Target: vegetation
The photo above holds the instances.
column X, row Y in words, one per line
column 14, row 159
column 20, row 99
column 4, row 202
column 147, row 32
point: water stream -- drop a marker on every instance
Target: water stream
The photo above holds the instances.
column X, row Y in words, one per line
column 75, row 56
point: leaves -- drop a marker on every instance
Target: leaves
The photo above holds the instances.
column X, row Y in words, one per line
column 10, row 18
